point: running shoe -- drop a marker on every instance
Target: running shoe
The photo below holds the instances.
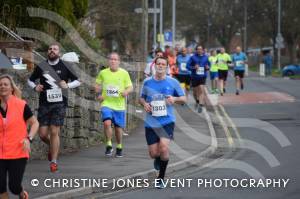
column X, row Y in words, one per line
column 200, row 108
column 119, row 153
column 160, row 184
column 53, row 167
column 108, row 151
column 196, row 106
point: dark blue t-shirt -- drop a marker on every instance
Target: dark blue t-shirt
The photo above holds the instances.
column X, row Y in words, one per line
column 202, row 61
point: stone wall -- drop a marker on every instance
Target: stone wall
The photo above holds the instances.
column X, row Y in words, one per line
column 82, row 127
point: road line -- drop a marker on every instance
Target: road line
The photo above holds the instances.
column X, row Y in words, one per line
column 230, row 122
column 223, row 124
column 214, row 142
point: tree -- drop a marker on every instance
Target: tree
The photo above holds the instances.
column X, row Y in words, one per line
column 15, row 14
column 117, row 21
column 290, row 27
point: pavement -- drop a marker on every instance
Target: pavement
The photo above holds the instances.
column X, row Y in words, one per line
column 89, row 171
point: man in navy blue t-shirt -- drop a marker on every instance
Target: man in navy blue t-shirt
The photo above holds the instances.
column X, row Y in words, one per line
column 198, row 64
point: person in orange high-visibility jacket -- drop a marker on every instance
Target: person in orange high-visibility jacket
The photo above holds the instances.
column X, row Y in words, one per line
column 14, row 139
column 172, row 62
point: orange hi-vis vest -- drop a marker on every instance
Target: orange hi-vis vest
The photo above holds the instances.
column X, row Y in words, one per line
column 13, row 130
column 174, row 70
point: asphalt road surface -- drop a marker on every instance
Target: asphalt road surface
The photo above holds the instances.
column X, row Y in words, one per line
column 265, row 161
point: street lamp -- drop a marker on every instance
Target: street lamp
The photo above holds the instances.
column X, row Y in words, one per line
column 279, row 38
column 245, row 25
column 209, row 23
column 173, row 22
column 154, row 23
column 161, row 23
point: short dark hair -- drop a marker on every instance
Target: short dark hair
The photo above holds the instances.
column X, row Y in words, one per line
column 198, row 47
column 55, row 44
column 164, row 58
column 158, row 50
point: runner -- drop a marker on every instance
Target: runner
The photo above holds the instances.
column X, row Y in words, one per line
column 113, row 85
column 223, row 60
column 184, row 75
column 150, row 69
column 53, row 75
column 14, row 140
column 167, row 51
column 190, row 51
column 239, row 60
column 172, row 63
column 213, row 71
column 199, row 65
column 158, row 96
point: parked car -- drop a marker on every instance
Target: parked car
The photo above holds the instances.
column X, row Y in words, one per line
column 291, row 70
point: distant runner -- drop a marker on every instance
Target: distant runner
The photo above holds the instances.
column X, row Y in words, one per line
column 213, row 71
column 223, row 59
column 239, row 60
column 184, row 75
column 198, row 64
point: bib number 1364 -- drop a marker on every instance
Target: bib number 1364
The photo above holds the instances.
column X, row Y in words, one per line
column 112, row 91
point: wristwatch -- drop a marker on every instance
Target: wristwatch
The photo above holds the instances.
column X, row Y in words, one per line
column 30, row 139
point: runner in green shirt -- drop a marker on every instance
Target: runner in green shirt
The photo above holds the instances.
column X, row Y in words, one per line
column 223, row 59
column 113, row 86
column 213, row 71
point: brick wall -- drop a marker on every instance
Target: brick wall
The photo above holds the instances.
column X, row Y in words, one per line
column 83, row 126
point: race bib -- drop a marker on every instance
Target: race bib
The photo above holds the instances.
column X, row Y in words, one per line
column 54, row 95
column 239, row 63
column 200, row 71
column 112, row 91
column 183, row 66
column 221, row 61
column 159, row 108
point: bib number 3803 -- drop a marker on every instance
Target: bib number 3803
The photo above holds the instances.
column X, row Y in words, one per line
column 54, row 95
column 159, row 108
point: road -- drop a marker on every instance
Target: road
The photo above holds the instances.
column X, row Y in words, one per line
column 266, row 147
